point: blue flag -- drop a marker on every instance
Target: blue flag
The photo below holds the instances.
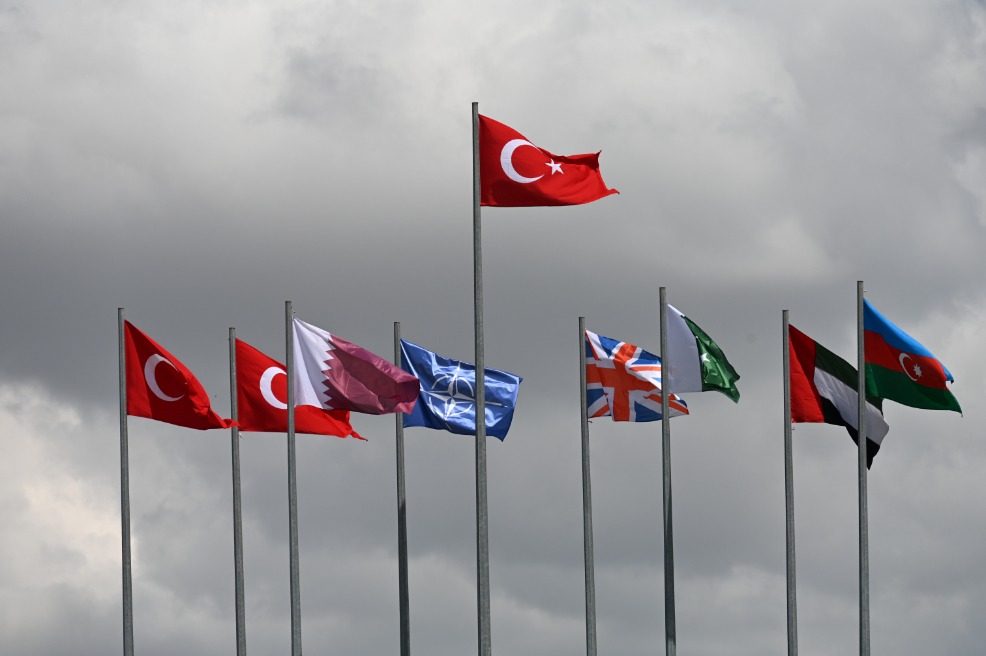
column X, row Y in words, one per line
column 447, row 400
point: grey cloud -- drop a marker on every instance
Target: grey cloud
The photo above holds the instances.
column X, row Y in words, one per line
column 202, row 163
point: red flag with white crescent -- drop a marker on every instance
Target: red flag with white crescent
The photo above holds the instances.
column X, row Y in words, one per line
column 262, row 399
column 516, row 173
column 160, row 387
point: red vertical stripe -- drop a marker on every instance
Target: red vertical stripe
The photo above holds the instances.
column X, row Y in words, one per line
column 806, row 406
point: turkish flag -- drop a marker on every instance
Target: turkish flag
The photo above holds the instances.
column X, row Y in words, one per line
column 160, row 387
column 261, row 398
column 515, row 173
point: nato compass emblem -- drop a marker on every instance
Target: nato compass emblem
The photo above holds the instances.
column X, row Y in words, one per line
column 453, row 394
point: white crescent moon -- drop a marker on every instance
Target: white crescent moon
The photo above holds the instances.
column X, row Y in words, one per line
column 506, row 160
column 265, row 387
column 905, row 356
column 149, row 368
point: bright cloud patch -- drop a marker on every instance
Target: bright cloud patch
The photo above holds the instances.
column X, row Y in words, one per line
column 61, row 543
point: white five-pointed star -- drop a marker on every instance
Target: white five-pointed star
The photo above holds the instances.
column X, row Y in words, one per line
column 555, row 168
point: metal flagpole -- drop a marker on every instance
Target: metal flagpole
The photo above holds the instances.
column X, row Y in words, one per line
column 482, row 520
column 590, row 575
column 401, row 516
column 292, row 490
column 864, row 537
column 670, row 632
column 237, row 508
column 792, row 600
column 128, row 596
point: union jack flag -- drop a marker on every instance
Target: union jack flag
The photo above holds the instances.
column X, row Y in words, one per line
column 624, row 381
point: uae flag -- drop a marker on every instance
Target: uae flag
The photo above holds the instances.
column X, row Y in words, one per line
column 823, row 390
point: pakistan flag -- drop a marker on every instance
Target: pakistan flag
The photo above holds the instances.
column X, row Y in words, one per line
column 695, row 363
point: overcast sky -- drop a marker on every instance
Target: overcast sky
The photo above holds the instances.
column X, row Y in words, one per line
column 200, row 162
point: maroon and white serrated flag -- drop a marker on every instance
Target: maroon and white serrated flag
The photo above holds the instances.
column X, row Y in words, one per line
column 334, row 374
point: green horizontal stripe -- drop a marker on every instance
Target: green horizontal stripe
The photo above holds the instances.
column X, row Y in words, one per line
column 896, row 386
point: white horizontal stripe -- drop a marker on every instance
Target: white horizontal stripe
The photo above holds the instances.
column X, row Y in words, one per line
column 846, row 400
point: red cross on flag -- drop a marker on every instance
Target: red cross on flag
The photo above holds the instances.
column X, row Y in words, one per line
column 624, row 381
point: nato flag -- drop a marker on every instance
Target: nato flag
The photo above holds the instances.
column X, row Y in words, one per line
column 447, row 400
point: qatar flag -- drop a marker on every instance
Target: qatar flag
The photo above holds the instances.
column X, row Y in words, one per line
column 334, row 374
column 516, row 173
column 261, row 397
column 160, row 387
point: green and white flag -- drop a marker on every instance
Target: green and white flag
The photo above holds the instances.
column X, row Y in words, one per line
column 696, row 363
